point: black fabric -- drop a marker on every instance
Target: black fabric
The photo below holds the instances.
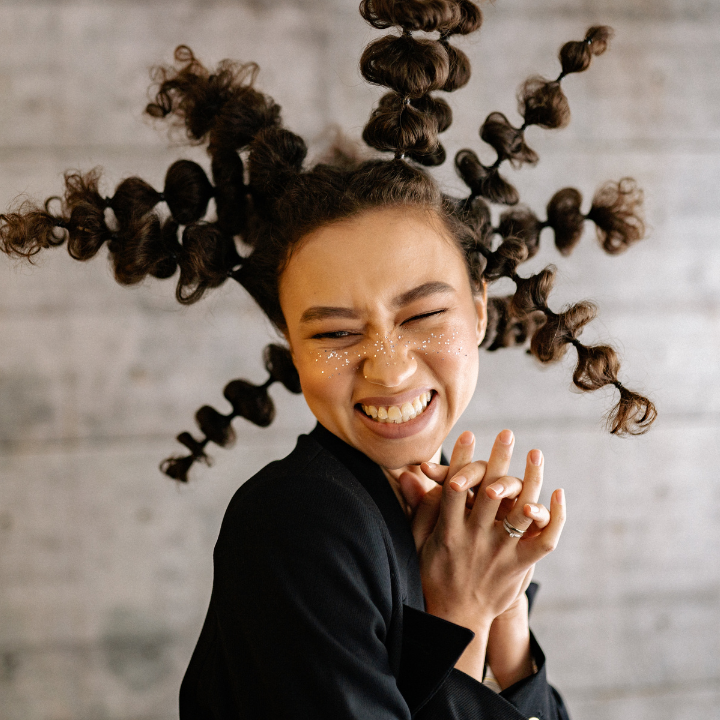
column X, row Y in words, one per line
column 431, row 647
column 317, row 609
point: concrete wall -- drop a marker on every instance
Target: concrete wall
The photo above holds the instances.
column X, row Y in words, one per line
column 105, row 565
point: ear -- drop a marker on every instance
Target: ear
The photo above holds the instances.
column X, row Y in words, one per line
column 481, row 309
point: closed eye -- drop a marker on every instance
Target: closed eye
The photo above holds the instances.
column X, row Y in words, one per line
column 424, row 315
column 336, row 335
column 340, row 334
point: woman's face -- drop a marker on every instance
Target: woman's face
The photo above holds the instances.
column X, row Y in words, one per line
column 384, row 329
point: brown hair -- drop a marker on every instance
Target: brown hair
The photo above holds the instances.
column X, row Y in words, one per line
column 266, row 200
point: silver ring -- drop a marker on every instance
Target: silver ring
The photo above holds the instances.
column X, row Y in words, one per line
column 513, row 532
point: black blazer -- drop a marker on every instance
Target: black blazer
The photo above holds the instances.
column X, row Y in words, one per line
column 317, row 609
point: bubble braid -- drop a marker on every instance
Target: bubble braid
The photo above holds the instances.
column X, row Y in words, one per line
column 541, row 102
column 266, row 200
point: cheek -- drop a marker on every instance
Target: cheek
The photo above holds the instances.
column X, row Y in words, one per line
column 451, row 354
column 326, row 376
column 453, row 345
column 331, row 365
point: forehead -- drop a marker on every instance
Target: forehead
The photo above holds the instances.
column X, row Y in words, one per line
column 375, row 255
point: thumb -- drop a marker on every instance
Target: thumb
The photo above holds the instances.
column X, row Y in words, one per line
column 413, row 490
column 425, row 505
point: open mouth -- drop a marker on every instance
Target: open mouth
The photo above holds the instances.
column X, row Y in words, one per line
column 399, row 414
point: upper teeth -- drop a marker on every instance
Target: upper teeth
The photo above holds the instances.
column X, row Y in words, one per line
column 399, row 413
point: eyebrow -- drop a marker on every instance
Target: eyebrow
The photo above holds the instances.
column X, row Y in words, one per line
column 420, row 292
column 323, row 312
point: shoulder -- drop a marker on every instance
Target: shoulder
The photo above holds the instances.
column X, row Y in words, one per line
column 306, row 493
column 305, row 525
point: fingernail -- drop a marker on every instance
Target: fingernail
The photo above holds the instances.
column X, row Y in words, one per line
column 535, row 457
column 431, row 465
column 560, row 496
column 467, row 438
column 505, row 437
column 497, row 488
column 459, row 482
column 533, row 510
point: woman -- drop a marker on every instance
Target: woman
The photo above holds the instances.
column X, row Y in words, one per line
column 352, row 578
column 317, row 606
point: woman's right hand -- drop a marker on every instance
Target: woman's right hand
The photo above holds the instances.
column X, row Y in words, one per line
column 472, row 570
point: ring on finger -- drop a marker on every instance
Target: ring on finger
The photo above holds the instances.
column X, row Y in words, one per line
column 512, row 531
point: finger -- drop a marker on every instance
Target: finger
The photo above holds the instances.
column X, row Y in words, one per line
column 473, row 473
column 532, row 484
column 413, row 489
column 539, row 514
column 506, row 505
column 426, row 516
column 500, row 456
column 485, row 507
column 505, row 487
column 436, row 472
column 546, row 541
column 470, row 499
column 454, row 492
column 462, row 453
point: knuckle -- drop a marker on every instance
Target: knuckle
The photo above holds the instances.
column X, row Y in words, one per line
column 476, row 472
column 513, row 486
column 547, row 546
column 462, row 453
column 502, row 452
column 448, row 538
column 533, row 474
column 480, row 467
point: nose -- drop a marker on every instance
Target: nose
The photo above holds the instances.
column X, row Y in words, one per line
column 388, row 364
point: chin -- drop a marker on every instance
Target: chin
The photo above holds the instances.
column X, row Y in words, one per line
column 396, row 454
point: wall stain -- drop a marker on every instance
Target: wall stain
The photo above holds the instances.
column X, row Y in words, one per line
column 137, row 647
column 24, row 404
column 9, row 663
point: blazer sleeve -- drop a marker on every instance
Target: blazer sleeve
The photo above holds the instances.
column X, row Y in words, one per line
column 437, row 691
column 461, row 696
column 303, row 584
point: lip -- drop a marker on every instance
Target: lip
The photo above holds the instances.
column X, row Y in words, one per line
column 395, row 399
column 394, row 431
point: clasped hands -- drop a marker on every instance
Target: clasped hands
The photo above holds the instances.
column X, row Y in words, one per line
column 473, row 572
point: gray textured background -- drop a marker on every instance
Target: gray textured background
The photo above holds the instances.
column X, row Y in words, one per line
column 105, row 566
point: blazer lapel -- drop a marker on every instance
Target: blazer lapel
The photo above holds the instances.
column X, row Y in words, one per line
column 430, row 645
column 372, row 478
